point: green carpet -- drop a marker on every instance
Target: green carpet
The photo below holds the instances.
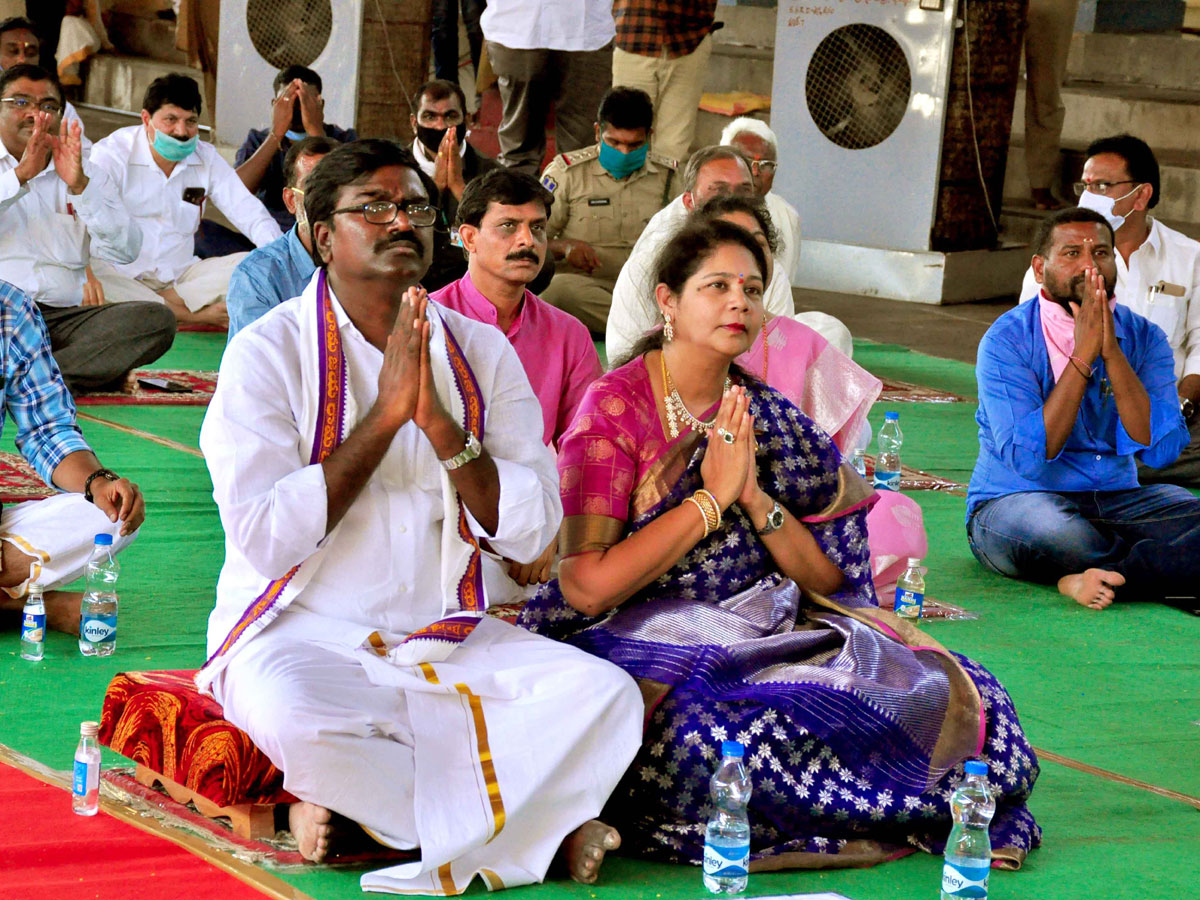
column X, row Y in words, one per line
column 1118, row 690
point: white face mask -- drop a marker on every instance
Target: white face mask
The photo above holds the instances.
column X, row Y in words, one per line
column 1104, row 205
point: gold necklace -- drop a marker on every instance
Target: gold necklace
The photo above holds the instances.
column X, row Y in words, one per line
column 678, row 414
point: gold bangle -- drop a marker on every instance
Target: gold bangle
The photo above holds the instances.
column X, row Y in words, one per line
column 712, row 509
column 703, row 514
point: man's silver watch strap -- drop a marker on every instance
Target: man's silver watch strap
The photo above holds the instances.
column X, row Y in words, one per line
column 464, row 456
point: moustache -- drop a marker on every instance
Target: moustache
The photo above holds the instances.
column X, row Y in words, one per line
column 407, row 237
column 523, row 254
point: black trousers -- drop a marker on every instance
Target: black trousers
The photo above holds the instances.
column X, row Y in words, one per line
column 95, row 346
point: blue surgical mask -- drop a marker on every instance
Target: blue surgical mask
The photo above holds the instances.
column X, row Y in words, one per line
column 621, row 165
column 173, row 148
column 295, row 136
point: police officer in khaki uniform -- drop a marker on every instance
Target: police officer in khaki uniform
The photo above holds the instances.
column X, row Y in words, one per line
column 603, row 197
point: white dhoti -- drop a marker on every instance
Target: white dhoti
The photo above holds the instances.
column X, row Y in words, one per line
column 59, row 533
column 485, row 760
column 201, row 284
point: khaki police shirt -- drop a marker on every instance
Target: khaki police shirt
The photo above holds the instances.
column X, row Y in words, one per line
column 592, row 206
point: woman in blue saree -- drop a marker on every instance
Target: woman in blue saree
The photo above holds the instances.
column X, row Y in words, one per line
column 714, row 546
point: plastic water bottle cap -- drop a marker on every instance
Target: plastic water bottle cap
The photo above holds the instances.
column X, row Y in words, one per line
column 104, row 540
column 733, row 748
column 976, row 767
column 89, row 729
column 914, row 562
column 891, row 416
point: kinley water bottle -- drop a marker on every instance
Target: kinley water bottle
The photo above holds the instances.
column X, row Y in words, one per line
column 727, row 837
column 887, row 462
column 968, row 849
column 98, row 611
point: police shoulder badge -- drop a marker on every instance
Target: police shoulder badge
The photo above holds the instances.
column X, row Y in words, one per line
column 549, row 183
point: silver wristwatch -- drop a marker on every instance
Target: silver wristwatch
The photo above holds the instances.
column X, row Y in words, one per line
column 774, row 519
column 464, row 456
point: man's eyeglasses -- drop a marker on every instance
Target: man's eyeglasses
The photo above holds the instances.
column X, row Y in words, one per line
column 763, row 165
column 23, row 103
column 384, row 212
column 1098, row 187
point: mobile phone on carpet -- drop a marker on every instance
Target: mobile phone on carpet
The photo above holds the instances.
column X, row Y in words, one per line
column 164, row 384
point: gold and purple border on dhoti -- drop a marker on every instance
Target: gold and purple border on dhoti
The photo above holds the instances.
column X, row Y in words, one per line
column 470, row 593
column 328, row 435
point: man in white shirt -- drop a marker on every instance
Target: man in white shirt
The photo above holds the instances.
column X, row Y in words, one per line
column 757, row 142
column 165, row 175
column 19, row 43
column 543, row 52
column 57, row 213
column 1158, row 273
column 362, row 443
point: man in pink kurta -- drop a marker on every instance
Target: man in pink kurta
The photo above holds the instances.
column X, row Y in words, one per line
column 502, row 225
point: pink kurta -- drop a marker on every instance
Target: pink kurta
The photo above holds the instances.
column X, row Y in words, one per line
column 554, row 347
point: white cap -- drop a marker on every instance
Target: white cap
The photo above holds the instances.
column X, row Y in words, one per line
column 914, row 561
column 89, row 729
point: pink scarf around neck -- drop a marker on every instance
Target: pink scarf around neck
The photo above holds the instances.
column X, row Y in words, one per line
column 1058, row 328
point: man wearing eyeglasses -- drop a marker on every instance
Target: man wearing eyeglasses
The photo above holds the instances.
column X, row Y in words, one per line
column 364, row 443
column 759, row 145
column 19, row 43
column 58, row 213
column 1158, row 273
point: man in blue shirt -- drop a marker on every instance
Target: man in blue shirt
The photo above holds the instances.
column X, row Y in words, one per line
column 280, row 270
column 1073, row 390
column 49, row 541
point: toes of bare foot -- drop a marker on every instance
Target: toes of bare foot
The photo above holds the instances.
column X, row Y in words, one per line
column 585, row 847
column 310, row 825
column 1094, row 588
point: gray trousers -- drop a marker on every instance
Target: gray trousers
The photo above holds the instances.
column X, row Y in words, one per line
column 1184, row 471
column 95, row 346
column 530, row 80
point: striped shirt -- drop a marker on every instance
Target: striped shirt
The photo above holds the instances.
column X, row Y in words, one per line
column 650, row 27
column 33, row 391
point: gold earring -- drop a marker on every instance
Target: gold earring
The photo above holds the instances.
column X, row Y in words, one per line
column 668, row 329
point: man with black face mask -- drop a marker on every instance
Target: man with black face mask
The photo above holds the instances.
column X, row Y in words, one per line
column 1074, row 390
column 440, row 125
column 297, row 112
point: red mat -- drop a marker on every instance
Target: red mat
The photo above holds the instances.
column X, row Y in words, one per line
column 48, row 851
column 896, row 391
column 202, row 385
column 19, row 482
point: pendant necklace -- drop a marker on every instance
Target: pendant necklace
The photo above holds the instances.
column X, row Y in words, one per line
column 677, row 412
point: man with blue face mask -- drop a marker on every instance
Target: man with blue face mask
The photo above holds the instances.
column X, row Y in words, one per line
column 603, row 197
column 167, row 176
column 1158, row 273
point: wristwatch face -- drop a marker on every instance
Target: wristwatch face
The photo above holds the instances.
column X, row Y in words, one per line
column 1187, row 407
column 775, row 517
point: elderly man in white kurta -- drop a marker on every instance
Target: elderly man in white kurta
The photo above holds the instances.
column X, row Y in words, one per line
column 363, row 443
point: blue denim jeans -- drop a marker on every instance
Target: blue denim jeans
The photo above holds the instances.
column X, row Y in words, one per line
column 1150, row 534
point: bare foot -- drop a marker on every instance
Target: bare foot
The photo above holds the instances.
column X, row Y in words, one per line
column 213, row 314
column 312, row 827
column 62, row 611
column 130, row 384
column 584, row 849
column 1044, row 199
column 1094, row 588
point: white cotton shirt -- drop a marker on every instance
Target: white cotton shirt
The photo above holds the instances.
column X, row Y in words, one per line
column 786, row 219
column 634, row 310
column 47, row 236
column 549, row 24
column 1165, row 255
column 381, row 571
column 169, row 223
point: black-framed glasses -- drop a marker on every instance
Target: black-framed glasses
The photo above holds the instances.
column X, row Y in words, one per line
column 384, row 212
column 1098, row 187
column 53, row 107
column 763, row 165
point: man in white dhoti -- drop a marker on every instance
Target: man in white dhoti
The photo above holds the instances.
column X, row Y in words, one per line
column 363, row 442
column 49, row 541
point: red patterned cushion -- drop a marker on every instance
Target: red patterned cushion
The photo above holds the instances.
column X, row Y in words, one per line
column 160, row 720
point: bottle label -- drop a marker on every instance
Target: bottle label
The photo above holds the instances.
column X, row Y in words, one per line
column 33, row 627
column 965, row 880
column 887, row 481
column 908, row 603
column 727, row 862
column 99, row 629
column 86, row 778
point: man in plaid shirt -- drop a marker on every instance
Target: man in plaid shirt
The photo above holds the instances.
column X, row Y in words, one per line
column 49, row 541
column 663, row 48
